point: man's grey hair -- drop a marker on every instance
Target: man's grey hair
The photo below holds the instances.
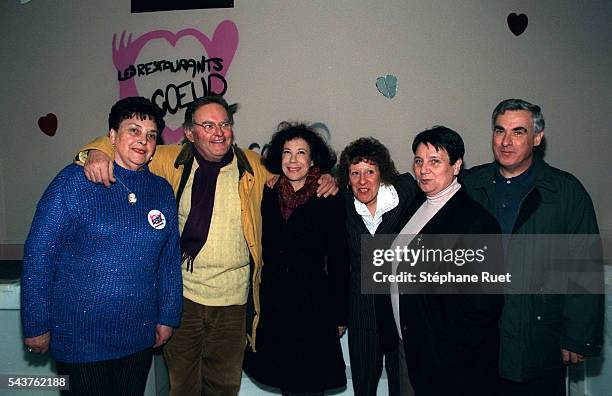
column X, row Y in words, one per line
column 519, row 104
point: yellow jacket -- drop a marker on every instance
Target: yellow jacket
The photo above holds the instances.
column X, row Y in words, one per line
column 170, row 162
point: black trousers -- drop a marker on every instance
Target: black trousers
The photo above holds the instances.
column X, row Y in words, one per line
column 289, row 393
column 552, row 384
column 122, row 376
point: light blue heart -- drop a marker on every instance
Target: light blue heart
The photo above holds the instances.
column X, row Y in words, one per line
column 387, row 85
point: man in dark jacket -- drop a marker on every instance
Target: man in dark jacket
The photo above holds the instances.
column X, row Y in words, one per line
column 540, row 333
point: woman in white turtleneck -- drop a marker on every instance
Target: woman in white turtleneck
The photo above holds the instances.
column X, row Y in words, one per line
column 437, row 178
column 451, row 341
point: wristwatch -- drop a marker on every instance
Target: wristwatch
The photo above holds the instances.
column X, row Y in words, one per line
column 82, row 156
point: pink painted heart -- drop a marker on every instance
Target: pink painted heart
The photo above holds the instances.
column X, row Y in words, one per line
column 223, row 45
column 48, row 124
column 172, row 136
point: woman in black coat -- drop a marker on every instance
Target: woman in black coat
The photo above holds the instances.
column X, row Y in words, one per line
column 377, row 197
column 304, row 281
column 451, row 340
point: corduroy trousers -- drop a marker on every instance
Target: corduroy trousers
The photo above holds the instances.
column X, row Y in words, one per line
column 205, row 354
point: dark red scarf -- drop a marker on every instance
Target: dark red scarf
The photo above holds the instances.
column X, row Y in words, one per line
column 289, row 199
column 203, row 189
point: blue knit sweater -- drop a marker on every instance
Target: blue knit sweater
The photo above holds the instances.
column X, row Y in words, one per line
column 97, row 274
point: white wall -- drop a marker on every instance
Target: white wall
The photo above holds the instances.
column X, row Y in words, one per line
column 317, row 61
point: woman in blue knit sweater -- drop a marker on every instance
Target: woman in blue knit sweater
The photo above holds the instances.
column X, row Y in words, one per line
column 101, row 283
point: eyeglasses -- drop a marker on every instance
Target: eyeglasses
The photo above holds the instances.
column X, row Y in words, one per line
column 210, row 127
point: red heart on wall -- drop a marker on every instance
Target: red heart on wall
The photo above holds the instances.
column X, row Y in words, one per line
column 48, row 124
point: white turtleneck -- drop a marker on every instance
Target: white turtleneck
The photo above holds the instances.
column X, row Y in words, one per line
column 421, row 217
column 429, row 208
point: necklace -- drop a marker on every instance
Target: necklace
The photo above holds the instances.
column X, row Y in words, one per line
column 131, row 196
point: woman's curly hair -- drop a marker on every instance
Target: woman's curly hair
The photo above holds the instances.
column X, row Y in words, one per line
column 320, row 153
column 370, row 150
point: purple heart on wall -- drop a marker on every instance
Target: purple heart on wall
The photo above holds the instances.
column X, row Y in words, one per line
column 517, row 23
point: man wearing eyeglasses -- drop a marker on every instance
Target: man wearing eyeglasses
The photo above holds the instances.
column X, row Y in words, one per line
column 220, row 224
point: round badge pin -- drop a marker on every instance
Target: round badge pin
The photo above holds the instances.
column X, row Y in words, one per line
column 156, row 219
